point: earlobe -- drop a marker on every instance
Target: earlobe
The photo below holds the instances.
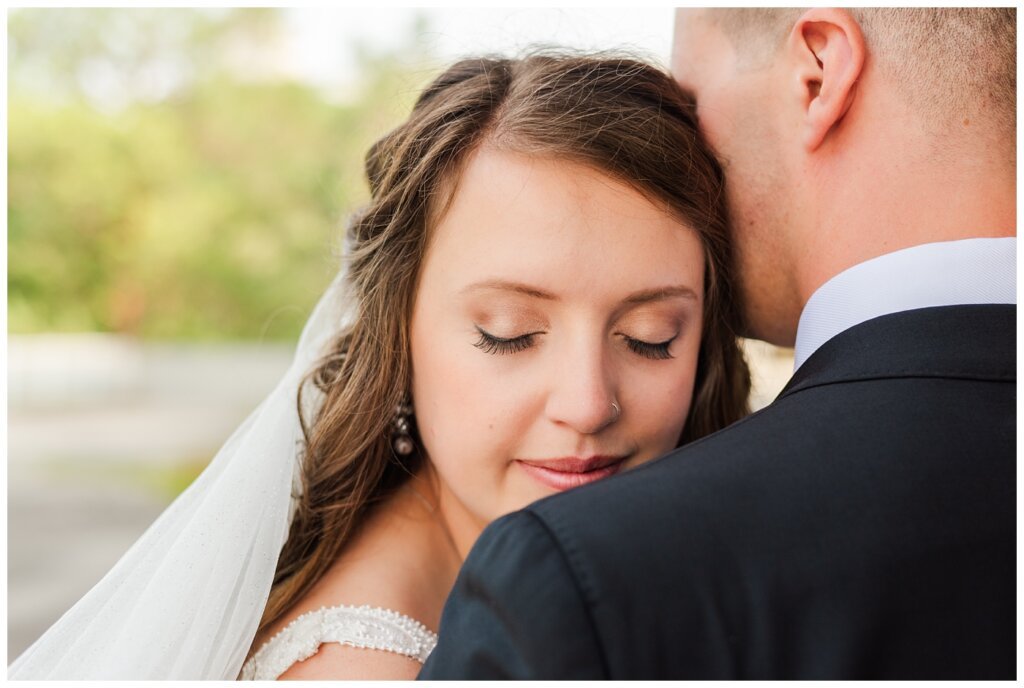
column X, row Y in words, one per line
column 829, row 47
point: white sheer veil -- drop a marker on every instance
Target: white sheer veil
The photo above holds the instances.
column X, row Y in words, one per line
column 186, row 600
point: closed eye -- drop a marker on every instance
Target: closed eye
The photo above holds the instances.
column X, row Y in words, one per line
column 656, row 351
column 490, row 344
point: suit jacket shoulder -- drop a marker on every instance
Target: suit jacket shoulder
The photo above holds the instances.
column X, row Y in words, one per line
column 861, row 526
column 517, row 611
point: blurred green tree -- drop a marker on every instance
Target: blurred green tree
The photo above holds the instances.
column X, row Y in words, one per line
column 164, row 180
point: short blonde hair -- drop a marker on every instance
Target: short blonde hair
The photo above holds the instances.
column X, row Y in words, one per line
column 954, row 64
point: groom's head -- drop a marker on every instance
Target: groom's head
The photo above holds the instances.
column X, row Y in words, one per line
column 846, row 134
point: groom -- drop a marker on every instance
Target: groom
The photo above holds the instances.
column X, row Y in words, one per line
column 863, row 524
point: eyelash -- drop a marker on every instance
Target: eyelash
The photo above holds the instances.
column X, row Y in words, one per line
column 496, row 345
column 490, row 344
column 657, row 352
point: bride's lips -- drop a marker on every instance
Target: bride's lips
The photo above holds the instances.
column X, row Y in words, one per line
column 571, row 471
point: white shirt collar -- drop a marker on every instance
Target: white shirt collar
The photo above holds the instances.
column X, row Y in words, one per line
column 947, row 273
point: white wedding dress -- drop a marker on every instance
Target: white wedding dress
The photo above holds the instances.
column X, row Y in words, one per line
column 364, row 627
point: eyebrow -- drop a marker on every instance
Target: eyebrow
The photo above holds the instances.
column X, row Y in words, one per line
column 505, row 285
column 662, row 293
column 645, row 296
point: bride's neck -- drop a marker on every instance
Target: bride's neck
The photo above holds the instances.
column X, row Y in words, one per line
column 460, row 527
column 401, row 558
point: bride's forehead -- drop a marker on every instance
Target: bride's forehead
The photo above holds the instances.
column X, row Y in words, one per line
column 580, row 258
column 510, row 197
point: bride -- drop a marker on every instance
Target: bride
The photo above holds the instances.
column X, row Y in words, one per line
column 537, row 297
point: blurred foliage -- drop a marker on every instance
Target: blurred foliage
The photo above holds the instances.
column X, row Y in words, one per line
column 163, row 481
column 164, row 180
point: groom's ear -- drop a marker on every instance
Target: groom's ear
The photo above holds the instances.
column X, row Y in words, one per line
column 827, row 48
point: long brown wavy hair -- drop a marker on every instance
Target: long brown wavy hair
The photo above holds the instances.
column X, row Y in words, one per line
column 617, row 115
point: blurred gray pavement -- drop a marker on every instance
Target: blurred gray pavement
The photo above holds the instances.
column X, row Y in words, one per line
column 61, row 539
column 81, row 410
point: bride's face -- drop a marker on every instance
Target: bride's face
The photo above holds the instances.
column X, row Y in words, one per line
column 554, row 335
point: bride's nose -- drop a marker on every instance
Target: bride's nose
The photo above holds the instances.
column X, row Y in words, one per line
column 581, row 392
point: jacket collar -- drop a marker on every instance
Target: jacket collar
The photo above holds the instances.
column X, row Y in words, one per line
column 970, row 342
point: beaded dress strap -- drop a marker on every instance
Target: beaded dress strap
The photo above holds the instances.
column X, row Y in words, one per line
column 363, row 627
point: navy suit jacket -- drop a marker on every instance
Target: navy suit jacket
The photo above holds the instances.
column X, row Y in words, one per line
column 861, row 526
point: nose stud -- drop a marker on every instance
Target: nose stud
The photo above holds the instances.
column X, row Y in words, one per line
column 618, row 411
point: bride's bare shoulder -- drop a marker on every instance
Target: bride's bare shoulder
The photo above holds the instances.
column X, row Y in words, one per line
column 341, row 662
column 394, row 563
